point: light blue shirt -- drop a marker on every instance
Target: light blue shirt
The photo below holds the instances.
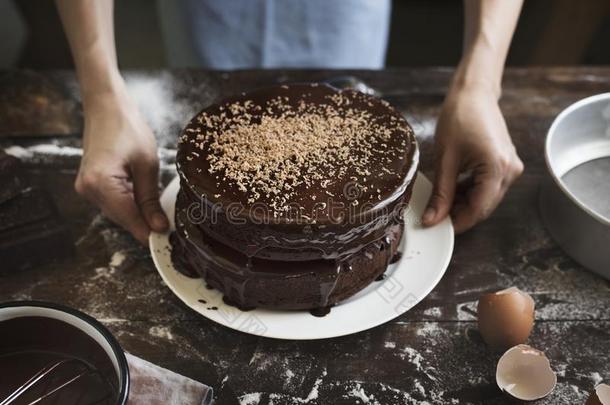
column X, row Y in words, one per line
column 235, row 34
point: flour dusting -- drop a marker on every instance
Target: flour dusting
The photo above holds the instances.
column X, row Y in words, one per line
column 466, row 311
column 420, row 388
column 310, row 399
column 313, row 394
column 164, row 102
column 430, row 329
column 424, row 128
column 36, row 152
column 161, row 332
column 414, row 357
column 434, row 312
column 112, row 320
column 358, row 392
column 117, row 259
column 103, row 272
column 289, row 375
column 252, row 398
column 596, row 378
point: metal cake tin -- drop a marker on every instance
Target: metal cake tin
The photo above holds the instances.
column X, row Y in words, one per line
column 579, row 138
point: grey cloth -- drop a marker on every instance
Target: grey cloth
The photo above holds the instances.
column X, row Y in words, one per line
column 234, row 34
column 153, row 385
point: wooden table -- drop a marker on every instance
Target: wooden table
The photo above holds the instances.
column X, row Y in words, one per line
column 432, row 353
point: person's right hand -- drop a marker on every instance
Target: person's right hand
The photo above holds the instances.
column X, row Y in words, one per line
column 119, row 169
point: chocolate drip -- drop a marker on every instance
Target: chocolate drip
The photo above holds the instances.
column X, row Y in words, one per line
column 231, row 303
column 396, row 257
column 320, row 312
column 328, row 287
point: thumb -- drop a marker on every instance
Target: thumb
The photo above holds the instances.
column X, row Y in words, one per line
column 443, row 192
column 145, row 175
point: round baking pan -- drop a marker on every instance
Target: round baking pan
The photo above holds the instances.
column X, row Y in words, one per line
column 575, row 197
column 44, row 330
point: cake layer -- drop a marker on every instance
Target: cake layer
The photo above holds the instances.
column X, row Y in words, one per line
column 317, row 242
column 253, row 282
column 298, row 172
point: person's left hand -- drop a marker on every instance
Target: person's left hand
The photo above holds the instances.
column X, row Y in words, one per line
column 119, row 169
column 471, row 139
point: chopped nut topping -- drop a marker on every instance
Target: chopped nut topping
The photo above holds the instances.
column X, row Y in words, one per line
column 271, row 149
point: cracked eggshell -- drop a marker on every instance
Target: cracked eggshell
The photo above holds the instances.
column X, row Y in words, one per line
column 505, row 318
column 525, row 373
column 600, row 395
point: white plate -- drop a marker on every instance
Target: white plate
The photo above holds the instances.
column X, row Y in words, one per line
column 425, row 255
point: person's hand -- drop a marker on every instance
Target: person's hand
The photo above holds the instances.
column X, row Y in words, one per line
column 119, row 168
column 472, row 141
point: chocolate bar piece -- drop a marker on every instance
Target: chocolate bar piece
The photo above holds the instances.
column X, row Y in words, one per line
column 10, row 178
column 31, row 232
column 31, row 206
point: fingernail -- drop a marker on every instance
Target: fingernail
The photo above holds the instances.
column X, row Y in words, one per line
column 429, row 214
column 159, row 221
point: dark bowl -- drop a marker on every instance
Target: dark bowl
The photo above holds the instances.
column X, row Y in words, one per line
column 81, row 321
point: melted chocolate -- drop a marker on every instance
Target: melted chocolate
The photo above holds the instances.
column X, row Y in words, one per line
column 320, row 312
column 58, row 352
column 232, row 303
column 396, row 258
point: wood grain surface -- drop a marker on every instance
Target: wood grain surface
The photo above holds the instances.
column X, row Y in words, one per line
column 432, row 354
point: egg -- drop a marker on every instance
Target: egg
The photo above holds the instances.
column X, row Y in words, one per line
column 505, row 317
column 600, row 395
column 525, row 373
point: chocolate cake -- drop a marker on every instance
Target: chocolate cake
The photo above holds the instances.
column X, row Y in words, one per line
column 292, row 197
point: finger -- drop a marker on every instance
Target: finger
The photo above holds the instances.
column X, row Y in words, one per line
column 145, row 174
column 114, row 196
column 479, row 202
column 122, row 209
column 440, row 202
column 514, row 171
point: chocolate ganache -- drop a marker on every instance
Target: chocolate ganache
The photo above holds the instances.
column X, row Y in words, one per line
column 46, row 361
column 292, row 196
